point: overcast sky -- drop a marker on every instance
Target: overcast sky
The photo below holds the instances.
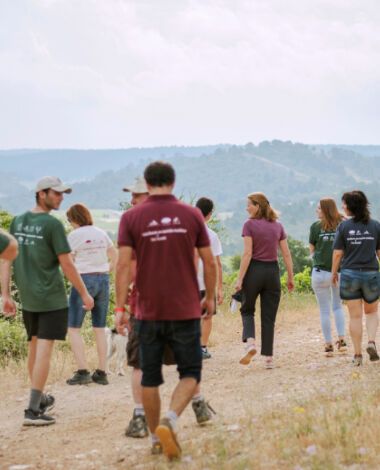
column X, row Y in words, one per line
column 122, row 73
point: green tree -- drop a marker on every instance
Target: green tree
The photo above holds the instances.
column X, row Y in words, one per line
column 300, row 256
column 5, row 219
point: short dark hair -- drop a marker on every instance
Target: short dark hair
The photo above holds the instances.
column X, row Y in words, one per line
column 159, row 174
column 38, row 196
column 205, row 205
column 357, row 203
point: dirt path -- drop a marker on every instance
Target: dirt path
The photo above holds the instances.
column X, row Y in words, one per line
column 91, row 419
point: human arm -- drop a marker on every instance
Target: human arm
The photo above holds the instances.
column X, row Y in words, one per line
column 11, row 250
column 122, row 280
column 9, row 306
column 336, row 259
column 287, row 257
column 112, row 255
column 244, row 262
column 219, row 290
column 209, row 268
column 71, row 273
column 311, row 249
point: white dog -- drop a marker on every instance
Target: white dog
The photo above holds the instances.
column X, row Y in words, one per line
column 116, row 344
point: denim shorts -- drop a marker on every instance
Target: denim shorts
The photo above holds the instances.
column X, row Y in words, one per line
column 184, row 339
column 360, row 285
column 98, row 287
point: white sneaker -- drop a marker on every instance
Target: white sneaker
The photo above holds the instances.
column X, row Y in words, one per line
column 269, row 364
column 250, row 351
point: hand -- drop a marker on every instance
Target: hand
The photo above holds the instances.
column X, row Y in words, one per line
column 290, row 284
column 208, row 306
column 238, row 285
column 334, row 279
column 220, row 296
column 9, row 306
column 88, row 302
column 121, row 323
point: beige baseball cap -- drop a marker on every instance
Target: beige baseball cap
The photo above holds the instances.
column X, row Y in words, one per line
column 52, row 182
column 138, row 186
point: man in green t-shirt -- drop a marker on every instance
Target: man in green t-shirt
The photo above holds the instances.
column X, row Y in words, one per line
column 8, row 246
column 43, row 250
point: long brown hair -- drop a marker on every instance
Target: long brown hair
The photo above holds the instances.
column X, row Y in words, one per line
column 265, row 210
column 331, row 217
column 80, row 215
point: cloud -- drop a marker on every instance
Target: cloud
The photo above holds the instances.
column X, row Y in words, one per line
column 124, row 73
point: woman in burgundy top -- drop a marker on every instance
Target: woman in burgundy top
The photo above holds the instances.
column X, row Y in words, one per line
column 259, row 274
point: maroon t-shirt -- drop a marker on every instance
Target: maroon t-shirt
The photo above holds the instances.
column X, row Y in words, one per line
column 266, row 237
column 164, row 231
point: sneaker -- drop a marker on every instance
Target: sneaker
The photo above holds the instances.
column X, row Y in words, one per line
column 269, row 364
column 203, row 411
column 47, row 403
column 156, row 448
column 357, row 361
column 100, row 377
column 329, row 350
column 372, row 351
column 137, row 426
column 341, row 345
column 205, row 354
column 250, row 351
column 168, row 439
column 37, row 418
column 80, row 378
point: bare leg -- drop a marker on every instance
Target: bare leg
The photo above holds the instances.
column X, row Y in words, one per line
column 42, row 363
column 32, row 356
column 355, row 309
column 372, row 320
column 206, row 330
column 101, row 345
column 152, row 406
column 136, row 386
column 182, row 394
column 77, row 346
column 197, row 390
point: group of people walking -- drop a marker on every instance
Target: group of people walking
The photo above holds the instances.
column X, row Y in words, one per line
column 168, row 281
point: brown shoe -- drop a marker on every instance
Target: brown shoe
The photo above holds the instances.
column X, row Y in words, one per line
column 168, row 439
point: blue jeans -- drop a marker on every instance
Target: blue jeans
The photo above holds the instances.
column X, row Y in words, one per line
column 98, row 287
column 355, row 284
column 184, row 339
column 328, row 298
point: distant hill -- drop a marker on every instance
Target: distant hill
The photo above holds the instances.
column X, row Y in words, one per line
column 294, row 177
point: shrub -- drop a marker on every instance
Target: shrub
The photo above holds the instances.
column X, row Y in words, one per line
column 13, row 344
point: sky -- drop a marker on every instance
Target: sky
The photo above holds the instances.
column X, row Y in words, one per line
column 125, row 73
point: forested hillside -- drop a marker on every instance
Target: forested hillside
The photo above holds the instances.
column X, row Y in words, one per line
column 294, row 177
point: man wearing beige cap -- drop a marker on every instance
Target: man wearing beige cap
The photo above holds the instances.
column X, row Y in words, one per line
column 137, row 426
column 43, row 249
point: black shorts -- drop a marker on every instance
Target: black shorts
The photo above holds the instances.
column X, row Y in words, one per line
column 202, row 294
column 183, row 338
column 46, row 325
column 133, row 348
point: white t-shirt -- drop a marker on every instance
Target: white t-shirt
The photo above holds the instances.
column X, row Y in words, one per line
column 89, row 247
column 216, row 248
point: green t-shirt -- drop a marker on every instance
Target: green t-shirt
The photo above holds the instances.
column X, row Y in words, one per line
column 4, row 242
column 41, row 238
column 323, row 241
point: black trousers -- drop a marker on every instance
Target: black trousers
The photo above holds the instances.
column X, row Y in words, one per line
column 262, row 279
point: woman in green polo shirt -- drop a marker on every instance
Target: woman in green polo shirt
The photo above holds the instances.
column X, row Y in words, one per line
column 321, row 239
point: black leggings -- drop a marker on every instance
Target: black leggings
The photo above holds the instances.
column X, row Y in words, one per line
column 262, row 278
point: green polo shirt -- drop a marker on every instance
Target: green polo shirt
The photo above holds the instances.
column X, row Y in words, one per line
column 41, row 238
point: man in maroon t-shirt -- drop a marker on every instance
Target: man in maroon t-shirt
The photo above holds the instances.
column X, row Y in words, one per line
column 164, row 232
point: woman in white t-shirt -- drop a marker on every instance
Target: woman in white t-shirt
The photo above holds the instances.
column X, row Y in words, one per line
column 94, row 256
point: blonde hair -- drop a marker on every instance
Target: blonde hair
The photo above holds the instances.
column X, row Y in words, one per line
column 331, row 217
column 265, row 210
